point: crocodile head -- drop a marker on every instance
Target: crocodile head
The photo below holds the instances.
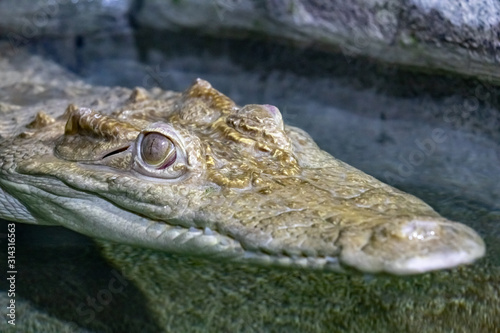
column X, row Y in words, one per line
column 193, row 173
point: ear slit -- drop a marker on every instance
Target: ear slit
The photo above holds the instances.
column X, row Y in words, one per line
column 117, row 151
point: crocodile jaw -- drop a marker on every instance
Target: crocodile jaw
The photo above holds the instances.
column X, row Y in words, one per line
column 396, row 247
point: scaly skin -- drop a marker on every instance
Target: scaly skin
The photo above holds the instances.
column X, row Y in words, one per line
column 194, row 173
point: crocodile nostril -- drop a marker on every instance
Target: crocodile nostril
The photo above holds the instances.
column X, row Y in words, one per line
column 420, row 230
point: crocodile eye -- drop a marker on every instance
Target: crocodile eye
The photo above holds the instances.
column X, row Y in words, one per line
column 157, row 150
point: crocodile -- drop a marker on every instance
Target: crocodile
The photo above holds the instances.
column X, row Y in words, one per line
column 193, row 173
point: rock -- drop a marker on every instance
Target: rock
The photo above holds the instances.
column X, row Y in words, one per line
column 452, row 35
column 23, row 20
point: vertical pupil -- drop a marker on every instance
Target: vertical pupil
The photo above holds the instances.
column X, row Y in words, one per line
column 156, row 149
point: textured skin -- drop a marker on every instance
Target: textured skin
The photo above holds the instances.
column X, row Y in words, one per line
column 236, row 184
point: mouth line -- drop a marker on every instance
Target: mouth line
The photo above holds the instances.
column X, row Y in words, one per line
column 212, row 243
column 191, row 235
